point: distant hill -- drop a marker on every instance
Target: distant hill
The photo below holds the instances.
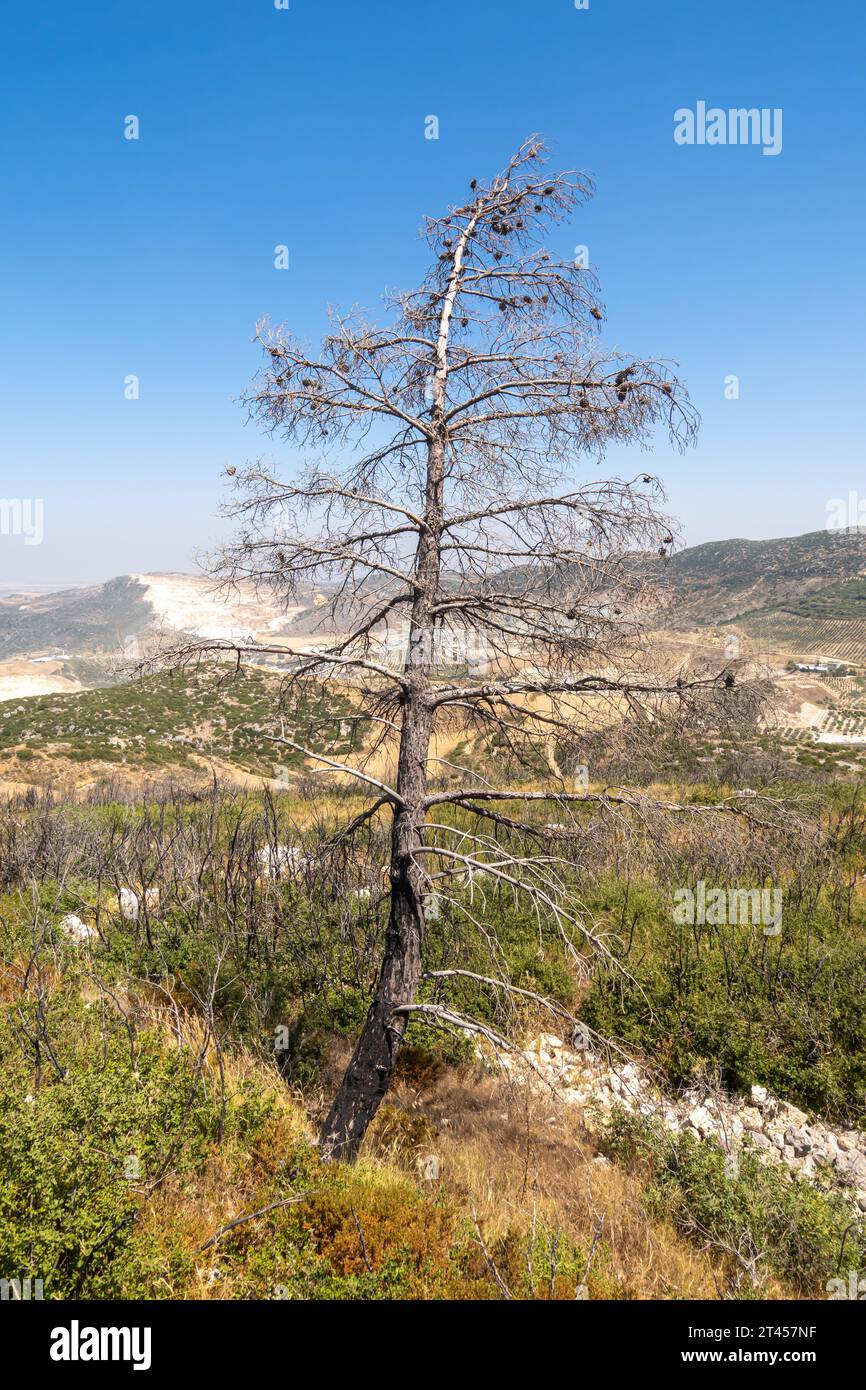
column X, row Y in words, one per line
column 62, row 714
column 809, row 592
column 216, row 717
column 82, row 637
column 819, row 575
column 98, row 618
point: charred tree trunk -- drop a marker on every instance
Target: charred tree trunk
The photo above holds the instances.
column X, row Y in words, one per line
column 369, row 1073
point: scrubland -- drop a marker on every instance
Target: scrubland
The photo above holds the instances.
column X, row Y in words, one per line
column 161, row 1083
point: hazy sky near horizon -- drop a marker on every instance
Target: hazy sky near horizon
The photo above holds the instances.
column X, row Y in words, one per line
column 306, row 127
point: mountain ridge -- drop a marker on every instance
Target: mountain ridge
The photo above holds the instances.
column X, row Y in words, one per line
column 820, row 576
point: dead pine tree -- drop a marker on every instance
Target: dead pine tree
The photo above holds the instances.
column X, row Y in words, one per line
column 473, row 579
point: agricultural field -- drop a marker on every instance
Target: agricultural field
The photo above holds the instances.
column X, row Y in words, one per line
column 841, row 639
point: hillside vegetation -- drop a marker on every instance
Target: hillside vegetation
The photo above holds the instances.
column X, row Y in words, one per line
column 163, row 1081
column 821, row 575
column 167, row 720
column 98, row 618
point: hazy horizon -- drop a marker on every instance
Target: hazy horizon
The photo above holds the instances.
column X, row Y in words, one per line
column 53, row 587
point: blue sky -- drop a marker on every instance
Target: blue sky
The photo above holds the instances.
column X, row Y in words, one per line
column 306, row 127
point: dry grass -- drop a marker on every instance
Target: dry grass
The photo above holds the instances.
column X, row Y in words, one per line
column 517, row 1157
column 511, row 1160
column 511, row 1156
column 233, row 1183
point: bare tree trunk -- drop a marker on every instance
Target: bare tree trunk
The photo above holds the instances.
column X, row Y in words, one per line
column 369, row 1073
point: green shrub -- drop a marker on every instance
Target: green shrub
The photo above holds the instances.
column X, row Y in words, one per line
column 79, row 1150
column 780, row 1224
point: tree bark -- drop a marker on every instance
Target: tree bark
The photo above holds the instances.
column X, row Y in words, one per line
column 369, row 1073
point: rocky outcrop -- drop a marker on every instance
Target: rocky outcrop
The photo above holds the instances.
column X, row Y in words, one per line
column 778, row 1132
